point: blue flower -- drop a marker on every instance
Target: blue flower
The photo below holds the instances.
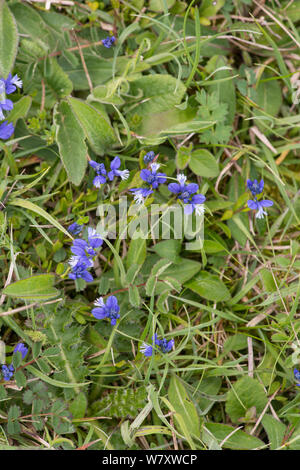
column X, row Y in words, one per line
column 195, row 204
column 255, row 187
column 109, row 310
column 149, row 157
column 79, row 269
column 109, row 41
column 5, row 105
column 146, row 349
column 115, row 164
column 11, row 83
column 82, row 250
column 101, row 173
column 8, row 372
column 94, row 238
column 297, row 376
column 140, row 194
column 75, row 228
column 163, row 346
column 22, row 349
column 152, row 177
column 182, row 190
column 6, row 130
column 258, row 206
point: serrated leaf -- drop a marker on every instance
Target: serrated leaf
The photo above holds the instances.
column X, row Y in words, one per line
column 8, row 39
column 121, row 403
column 13, row 426
column 70, row 139
column 38, row 287
column 94, row 124
column 78, row 406
column 20, row 379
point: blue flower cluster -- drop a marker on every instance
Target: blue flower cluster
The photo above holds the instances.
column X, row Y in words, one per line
column 109, row 310
column 149, row 157
column 75, row 228
column 84, row 252
column 8, row 371
column 161, row 345
column 102, row 173
column 7, row 86
column 297, row 376
column 152, row 178
column 22, row 349
column 108, row 42
column 186, row 194
column 257, row 188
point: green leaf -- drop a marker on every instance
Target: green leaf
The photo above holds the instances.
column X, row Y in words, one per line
column 106, row 94
column 38, row 210
column 8, row 39
column 169, row 249
column 95, row 125
column 225, row 89
column 159, row 5
column 211, row 246
column 235, row 343
column 20, row 109
column 121, row 402
column 134, row 296
column 209, row 286
column 183, row 405
column 30, row 24
column 183, row 157
column 188, row 269
column 38, row 287
column 137, row 252
column 269, row 96
column 160, row 93
column 56, row 80
column 275, row 429
column 70, row 139
column 245, row 394
column 238, row 440
column 13, row 425
column 209, row 8
column 20, row 379
column 203, row 163
column 54, row 382
column 78, row 406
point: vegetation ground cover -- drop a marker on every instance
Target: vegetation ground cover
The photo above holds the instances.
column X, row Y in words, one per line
column 148, row 343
